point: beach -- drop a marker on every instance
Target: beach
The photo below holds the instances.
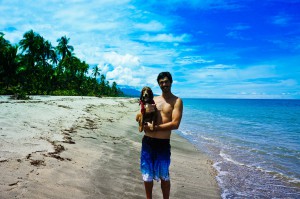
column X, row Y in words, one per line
column 87, row 147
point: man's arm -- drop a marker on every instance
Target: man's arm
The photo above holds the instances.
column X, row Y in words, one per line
column 176, row 118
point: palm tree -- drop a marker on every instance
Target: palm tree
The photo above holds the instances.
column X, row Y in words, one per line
column 107, row 89
column 96, row 72
column 102, row 84
column 63, row 48
column 31, row 50
column 114, row 89
column 82, row 70
column 49, row 53
column 4, row 44
column 10, row 65
column 29, row 45
column 47, row 57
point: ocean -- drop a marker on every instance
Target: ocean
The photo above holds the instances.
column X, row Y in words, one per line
column 255, row 144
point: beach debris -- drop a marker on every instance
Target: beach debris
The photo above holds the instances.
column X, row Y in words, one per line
column 14, row 183
column 63, row 106
column 5, row 160
column 88, row 137
column 58, row 148
column 90, row 124
column 37, row 162
column 67, row 137
column 68, row 140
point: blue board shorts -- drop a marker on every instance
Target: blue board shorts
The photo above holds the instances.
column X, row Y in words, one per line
column 155, row 159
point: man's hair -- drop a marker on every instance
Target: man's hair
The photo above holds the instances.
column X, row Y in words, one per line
column 163, row 75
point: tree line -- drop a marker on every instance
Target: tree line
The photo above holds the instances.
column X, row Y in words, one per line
column 35, row 67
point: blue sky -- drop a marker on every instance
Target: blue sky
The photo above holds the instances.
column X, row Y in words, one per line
column 213, row 48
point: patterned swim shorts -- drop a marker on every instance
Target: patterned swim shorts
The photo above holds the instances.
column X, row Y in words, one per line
column 155, row 159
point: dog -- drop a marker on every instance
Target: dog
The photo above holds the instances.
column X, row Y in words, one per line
column 145, row 116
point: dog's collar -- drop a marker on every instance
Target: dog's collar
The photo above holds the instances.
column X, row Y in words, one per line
column 143, row 109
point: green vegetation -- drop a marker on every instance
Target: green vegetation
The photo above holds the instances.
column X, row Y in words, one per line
column 35, row 67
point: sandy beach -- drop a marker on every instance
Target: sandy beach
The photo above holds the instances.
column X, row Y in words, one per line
column 87, row 147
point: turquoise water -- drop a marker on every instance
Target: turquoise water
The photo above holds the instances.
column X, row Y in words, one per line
column 255, row 144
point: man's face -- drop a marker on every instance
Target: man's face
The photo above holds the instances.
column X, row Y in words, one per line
column 165, row 84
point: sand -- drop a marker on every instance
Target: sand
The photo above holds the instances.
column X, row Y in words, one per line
column 87, row 147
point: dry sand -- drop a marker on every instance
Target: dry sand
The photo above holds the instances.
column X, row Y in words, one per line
column 87, row 147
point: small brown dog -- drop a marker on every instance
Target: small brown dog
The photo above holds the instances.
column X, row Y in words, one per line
column 145, row 116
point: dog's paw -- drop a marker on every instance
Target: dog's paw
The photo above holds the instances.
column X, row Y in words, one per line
column 151, row 126
column 141, row 128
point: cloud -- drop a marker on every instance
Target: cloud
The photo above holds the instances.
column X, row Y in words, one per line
column 288, row 82
column 152, row 26
column 196, row 4
column 236, row 35
column 231, row 73
column 291, row 43
column 126, row 60
column 280, row 89
column 240, row 27
column 187, row 60
column 126, row 70
column 230, row 81
column 221, row 67
column 281, row 20
column 168, row 38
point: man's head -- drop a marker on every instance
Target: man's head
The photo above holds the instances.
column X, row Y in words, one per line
column 162, row 75
column 164, row 80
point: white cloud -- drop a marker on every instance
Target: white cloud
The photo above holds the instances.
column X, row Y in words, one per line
column 222, row 72
column 126, row 60
column 288, row 82
column 221, row 66
column 229, row 81
column 165, row 38
column 127, row 70
column 196, row 4
column 246, row 90
column 186, row 60
column 151, row 26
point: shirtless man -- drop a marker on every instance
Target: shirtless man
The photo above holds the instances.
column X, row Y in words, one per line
column 156, row 149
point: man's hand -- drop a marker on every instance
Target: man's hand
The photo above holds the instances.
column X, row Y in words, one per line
column 148, row 127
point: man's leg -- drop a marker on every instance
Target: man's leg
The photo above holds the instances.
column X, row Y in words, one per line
column 165, row 187
column 148, row 188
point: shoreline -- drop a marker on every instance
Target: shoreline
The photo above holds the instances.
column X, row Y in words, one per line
column 87, row 147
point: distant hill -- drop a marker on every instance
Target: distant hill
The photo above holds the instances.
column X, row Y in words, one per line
column 130, row 92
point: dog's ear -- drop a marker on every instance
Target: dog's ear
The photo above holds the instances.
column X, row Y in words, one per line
column 142, row 92
column 151, row 93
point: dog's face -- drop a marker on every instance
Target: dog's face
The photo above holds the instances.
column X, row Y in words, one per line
column 146, row 95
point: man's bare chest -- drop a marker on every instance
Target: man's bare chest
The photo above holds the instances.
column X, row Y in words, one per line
column 164, row 108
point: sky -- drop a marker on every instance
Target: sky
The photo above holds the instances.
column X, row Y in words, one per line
column 213, row 48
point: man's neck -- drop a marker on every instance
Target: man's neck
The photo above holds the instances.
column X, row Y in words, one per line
column 167, row 96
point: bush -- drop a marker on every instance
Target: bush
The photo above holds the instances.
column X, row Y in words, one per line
column 65, row 93
column 19, row 94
